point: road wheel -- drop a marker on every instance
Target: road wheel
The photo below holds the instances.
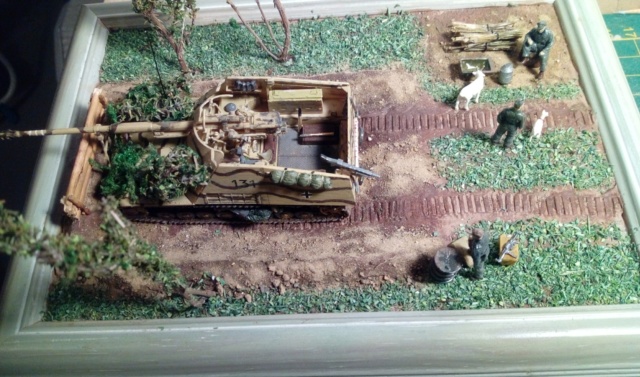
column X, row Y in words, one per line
column 204, row 215
column 164, row 215
column 185, row 215
column 304, row 215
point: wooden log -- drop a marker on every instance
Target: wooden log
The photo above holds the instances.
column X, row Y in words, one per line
column 482, row 37
column 81, row 172
column 80, row 206
column 480, row 28
column 488, row 37
column 86, row 174
column 200, row 292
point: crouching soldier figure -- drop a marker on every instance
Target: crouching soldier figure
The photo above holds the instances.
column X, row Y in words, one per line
column 479, row 250
column 509, row 121
column 537, row 44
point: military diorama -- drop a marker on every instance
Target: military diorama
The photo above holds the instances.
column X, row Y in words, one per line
column 245, row 180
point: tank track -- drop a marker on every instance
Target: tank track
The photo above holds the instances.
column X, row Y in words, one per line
column 227, row 214
column 472, row 120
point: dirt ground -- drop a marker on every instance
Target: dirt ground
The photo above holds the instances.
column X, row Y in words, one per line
column 389, row 243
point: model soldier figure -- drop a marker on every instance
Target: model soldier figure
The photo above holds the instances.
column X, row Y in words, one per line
column 509, row 121
column 537, row 44
column 479, row 250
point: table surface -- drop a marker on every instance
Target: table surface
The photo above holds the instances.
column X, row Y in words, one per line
column 624, row 29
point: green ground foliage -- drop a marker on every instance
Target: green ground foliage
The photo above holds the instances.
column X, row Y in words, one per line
column 561, row 264
column 319, row 46
column 137, row 172
column 153, row 102
column 558, row 158
column 17, row 237
column 73, row 256
column 495, row 96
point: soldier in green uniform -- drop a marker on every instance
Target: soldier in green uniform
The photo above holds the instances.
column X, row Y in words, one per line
column 509, row 121
column 479, row 250
column 537, row 44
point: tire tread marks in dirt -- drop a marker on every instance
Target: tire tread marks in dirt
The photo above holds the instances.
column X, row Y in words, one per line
column 472, row 120
column 566, row 204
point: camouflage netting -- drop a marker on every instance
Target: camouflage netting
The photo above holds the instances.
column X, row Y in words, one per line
column 137, row 172
column 153, row 102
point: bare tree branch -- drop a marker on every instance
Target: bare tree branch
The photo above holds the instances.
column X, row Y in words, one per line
column 283, row 55
column 264, row 19
column 258, row 39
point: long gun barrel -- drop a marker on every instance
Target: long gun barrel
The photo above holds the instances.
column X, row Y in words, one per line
column 118, row 128
column 354, row 169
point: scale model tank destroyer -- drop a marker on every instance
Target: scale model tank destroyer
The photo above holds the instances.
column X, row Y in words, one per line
column 278, row 149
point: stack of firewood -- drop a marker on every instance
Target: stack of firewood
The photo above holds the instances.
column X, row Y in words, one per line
column 488, row 37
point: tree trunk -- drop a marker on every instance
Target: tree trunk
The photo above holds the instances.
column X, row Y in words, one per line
column 284, row 54
column 177, row 47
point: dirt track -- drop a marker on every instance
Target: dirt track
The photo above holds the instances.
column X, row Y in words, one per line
column 472, row 120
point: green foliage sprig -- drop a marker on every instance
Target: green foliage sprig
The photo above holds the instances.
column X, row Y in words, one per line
column 558, row 158
column 137, row 172
column 122, row 246
column 153, row 102
column 17, row 237
column 73, row 256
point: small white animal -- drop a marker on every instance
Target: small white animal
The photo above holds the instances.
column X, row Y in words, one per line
column 537, row 126
column 471, row 90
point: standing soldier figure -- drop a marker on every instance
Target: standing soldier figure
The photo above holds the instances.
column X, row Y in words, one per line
column 537, row 44
column 479, row 250
column 509, row 121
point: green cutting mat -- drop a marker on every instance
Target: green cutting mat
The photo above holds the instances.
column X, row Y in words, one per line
column 624, row 30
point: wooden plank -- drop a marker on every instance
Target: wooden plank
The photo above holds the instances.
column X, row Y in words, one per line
column 74, row 199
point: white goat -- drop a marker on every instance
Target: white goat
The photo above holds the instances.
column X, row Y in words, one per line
column 471, row 90
column 537, row 126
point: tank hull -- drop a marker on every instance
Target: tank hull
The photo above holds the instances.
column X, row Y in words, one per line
column 262, row 138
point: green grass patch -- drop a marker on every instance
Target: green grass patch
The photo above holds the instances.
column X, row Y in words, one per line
column 558, row 158
column 448, row 93
column 561, row 264
column 319, row 46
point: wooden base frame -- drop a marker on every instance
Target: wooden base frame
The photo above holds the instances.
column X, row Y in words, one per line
column 572, row 341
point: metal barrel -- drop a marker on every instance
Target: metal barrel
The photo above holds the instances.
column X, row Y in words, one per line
column 445, row 265
column 506, row 74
